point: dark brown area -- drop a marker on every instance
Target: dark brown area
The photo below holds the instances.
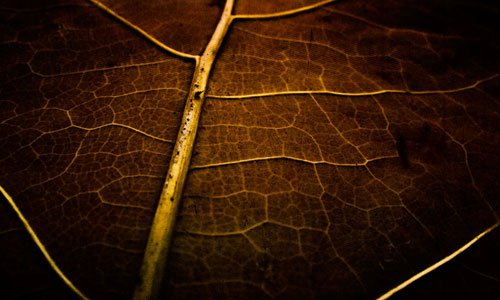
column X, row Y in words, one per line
column 472, row 275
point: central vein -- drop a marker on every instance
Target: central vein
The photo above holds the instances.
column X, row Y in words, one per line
column 155, row 257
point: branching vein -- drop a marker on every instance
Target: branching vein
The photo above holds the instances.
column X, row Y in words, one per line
column 358, row 94
column 283, row 157
column 144, row 33
column 286, row 12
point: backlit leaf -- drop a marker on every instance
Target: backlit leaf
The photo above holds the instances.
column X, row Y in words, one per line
column 342, row 148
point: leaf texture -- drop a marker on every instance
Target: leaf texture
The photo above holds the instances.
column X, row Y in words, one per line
column 341, row 149
column 90, row 112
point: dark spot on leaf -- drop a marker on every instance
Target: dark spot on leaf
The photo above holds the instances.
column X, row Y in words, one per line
column 402, row 149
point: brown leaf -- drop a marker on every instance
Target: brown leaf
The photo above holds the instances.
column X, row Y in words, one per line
column 341, row 149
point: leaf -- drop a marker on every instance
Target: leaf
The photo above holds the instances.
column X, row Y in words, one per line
column 343, row 147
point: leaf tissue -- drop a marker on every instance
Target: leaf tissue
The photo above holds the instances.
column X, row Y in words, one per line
column 249, row 149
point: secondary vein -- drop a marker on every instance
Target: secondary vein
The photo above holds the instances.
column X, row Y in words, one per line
column 143, row 33
column 40, row 245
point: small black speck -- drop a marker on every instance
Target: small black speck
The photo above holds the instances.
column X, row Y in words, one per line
column 172, row 199
column 197, row 95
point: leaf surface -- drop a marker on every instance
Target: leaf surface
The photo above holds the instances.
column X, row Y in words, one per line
column 341, row 149
column 89, row 115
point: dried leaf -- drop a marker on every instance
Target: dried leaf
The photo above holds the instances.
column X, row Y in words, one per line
column 342, row 147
